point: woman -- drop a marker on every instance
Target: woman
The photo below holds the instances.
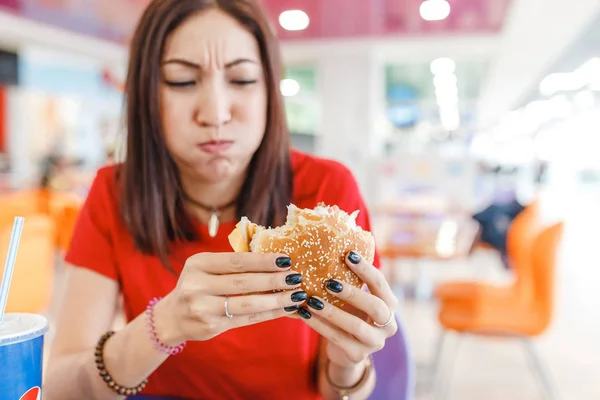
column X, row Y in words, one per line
column 206, row 135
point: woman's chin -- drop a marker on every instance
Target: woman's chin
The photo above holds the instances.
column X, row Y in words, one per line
column 213, row 170
column 219, row 169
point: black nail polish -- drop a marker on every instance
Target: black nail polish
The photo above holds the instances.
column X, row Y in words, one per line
column 290, row 308
column 299, row 297
column 293, row 279
column 304, row 313
column 316, row 303
column 283, row 262
column 353, row 257
column 334, row 286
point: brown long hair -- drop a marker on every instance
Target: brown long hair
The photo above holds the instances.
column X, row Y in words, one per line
column 149, row 186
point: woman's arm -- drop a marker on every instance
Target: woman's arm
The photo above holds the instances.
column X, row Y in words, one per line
column 88, row 312
column 343, row 377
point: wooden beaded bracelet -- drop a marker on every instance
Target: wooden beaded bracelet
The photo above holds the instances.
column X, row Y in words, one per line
column 105, row 375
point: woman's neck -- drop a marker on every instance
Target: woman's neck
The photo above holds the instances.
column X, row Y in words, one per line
column 213, row 195
column 204, row 198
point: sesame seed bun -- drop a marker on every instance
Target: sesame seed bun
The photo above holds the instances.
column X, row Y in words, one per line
column 317, row 240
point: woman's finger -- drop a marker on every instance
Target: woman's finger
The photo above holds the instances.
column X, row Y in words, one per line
column 235, row 263
column 355, row 351
column 252, row 283
column 351, row 324
column 373, row 277
column 256, row 303
column 250, row 319
column 371, row 305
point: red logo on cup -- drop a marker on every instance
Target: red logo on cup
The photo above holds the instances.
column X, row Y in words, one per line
column 32, row 394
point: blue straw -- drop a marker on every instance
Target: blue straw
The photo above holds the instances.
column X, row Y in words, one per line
column 9, row 267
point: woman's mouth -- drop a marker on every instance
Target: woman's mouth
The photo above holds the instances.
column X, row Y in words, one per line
column 215, row 146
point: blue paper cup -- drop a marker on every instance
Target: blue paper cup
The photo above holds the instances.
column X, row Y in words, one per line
column 21, row 356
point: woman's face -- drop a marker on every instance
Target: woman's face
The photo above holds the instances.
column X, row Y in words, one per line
column 213, row 97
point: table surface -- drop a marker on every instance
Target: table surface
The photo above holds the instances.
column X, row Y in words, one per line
column 447, row 236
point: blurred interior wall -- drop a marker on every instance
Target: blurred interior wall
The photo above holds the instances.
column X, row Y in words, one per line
column 62, row 105
column 352, row 96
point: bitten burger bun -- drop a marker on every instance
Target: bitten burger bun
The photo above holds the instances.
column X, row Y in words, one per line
column 317, row 240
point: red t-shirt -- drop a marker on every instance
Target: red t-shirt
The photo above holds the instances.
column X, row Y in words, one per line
column 272, row 360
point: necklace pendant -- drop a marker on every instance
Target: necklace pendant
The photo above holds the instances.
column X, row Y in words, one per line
column 213, row 224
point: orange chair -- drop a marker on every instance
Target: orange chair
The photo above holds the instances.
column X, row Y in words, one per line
column 520, row 238
column 66, row 221
column 32, row 280
column 63, row 207
column 522, row 311
column 23, row 203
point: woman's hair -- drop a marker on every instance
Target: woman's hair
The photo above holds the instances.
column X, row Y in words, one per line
column 150, row 191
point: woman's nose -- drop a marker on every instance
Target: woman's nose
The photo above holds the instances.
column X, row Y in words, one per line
column 214, row 107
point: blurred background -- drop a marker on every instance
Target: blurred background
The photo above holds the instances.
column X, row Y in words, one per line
column 472, row 126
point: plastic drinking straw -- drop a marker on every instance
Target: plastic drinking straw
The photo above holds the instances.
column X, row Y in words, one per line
column 9, row 266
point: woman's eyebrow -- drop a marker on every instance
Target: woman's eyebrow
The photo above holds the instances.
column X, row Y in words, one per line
column 194, row 65
column 183, row 62
column 239, row 61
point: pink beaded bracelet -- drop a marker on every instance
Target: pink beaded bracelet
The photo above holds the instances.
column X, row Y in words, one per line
column 160, row 346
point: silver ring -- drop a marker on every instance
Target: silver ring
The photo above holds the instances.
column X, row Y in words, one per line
column 230, row 316
column 389, row 321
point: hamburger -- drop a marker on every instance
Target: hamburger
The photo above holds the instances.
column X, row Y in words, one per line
column 317, row 240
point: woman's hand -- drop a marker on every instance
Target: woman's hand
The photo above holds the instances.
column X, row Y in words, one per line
column 195, row 309
column 352, row 333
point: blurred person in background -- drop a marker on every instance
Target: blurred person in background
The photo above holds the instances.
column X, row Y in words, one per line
column 5, row 171
column 57, row 173
column 207, row 135
column 496, row 218
column 111, row 157
column 60, row 174
column 66, row 175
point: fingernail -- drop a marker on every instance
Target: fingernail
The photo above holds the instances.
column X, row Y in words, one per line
column 304, row 313
column 293, row 279
column 334, row 286
column 299, row 297
column 290, row 308
column 283, row 262
column 316, row 303
column 353, row 257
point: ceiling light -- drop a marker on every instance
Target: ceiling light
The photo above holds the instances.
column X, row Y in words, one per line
column 434, row 10
column 447, row 95
column 559, row 106
column 584, row 100
column 447, row 101
column 451, row 124
column 560, row 82
column 586, row 75
column 289, row 87
column 294, row 20
column 442, row 66
column 588, row 71
column 445, row 80
column 450, row 118
column 594, row 85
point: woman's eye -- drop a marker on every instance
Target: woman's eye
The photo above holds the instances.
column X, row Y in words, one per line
column 180, row 84
column 243, row 82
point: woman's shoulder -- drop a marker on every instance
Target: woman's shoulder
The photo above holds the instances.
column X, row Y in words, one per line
column 305, row 165
column 105, row 181
column 93, row 240
column 108, row 173
column 322, row 179
column 103, row 192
